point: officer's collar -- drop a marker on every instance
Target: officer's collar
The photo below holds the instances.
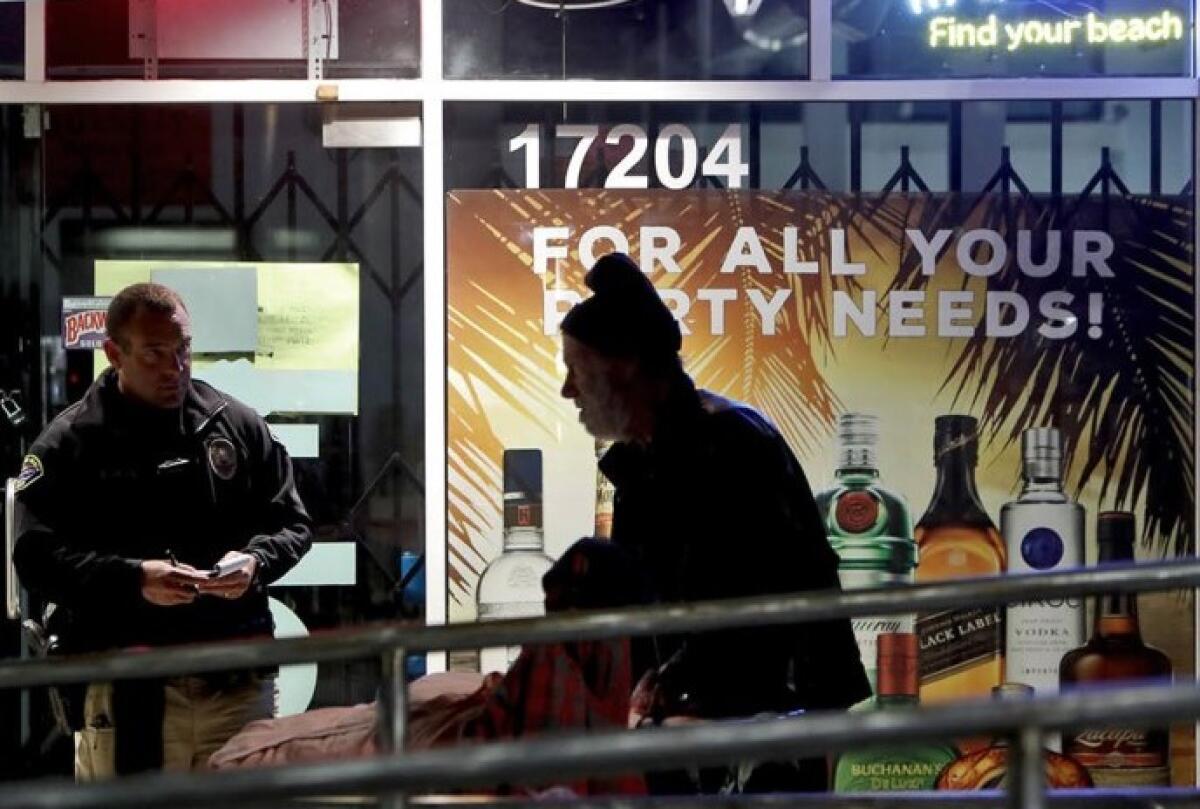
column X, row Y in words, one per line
column 201, row 404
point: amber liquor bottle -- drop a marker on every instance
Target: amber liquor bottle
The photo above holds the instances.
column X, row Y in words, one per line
column 605, row 496
column 988, row 768
column 961, row 650
column 1118, row 756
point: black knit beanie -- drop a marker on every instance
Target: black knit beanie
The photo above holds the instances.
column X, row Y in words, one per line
column 625, row 317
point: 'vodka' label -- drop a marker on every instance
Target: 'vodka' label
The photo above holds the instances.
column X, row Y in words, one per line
column 499, row 658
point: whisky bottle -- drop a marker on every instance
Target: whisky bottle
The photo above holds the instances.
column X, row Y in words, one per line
column 511, row 585
column 988, row 768
column 1118, row 757
column 893, row 767
column 961, row 650
column 869, row 528
column 605, row 495
column 1043, row 531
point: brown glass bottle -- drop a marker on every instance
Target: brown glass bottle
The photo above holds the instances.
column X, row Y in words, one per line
column 1115, row 651
column 961, row 650
column 988, row 768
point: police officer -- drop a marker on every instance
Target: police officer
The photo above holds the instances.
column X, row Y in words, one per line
column 131, row 498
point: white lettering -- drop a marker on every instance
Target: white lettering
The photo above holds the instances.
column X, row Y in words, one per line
column 1093, row 248
column 967, row 244
column 1054, row 307
column 746, row 251
column 791, row 255
column 1025, row 253
column 553, row 310
column 929, row 249
column 837, row 251
column 716, row 299
column 544, row 251
column 995, row 325
column 904, row 306
column 951, row 317
column 659, row 246
column 844, row 309
column 679, row 303
column 768, row 310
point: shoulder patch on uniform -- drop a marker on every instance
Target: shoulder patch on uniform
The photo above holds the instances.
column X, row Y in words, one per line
column 31, row 472
column 222, row 458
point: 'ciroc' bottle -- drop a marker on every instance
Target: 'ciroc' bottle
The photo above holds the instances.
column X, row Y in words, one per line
column 1118, row 756
column 870, row 529
column 961, row 650
column 1043, row 531
column 511, row 585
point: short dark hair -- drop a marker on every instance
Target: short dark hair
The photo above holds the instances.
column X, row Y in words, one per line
column 130, row 300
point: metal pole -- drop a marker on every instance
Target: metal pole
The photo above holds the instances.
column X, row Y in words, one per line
column 393, row 716
column 1026, row 773
column 393, row 703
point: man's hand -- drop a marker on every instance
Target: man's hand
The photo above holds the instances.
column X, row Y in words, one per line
column 235, row 584
column 167, row 584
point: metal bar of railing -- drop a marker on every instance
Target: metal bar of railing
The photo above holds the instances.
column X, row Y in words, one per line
column 1142, row 798
column 380, row 639
column 12, row 588
column 1026, row 770
column 555, row 758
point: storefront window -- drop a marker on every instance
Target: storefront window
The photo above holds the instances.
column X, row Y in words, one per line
column 328, row 240
column 12, row 40
column 626, row 39
column 946, row 146
column 994, row 38
column 231, row 38
column 987, row 262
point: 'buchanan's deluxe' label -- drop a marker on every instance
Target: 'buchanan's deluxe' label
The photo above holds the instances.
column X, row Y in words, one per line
column 883, row 769
column 953, row 640
column 1123, row 756
column 890, row 776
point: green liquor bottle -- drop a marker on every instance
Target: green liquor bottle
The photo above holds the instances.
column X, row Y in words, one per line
column 870, row 529
column 897, row 767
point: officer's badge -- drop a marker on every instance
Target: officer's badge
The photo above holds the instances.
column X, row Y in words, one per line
column 31, row 471
column 222, row 458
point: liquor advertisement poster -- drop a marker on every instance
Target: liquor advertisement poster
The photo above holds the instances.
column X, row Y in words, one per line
column 1060, row 332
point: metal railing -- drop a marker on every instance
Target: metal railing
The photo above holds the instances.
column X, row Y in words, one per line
column 546, row 758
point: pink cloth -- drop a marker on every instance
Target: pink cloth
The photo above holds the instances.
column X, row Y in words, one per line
column 339, row 733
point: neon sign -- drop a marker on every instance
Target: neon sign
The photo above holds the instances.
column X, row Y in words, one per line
column 947, row 32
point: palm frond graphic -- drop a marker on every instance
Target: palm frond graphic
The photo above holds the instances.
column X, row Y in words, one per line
column 1124, row 401
column 777, row 373
column 498, row 355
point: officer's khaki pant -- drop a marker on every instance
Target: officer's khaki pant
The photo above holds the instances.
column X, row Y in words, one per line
column 197, row 721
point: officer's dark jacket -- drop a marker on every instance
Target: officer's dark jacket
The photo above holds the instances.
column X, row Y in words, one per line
column 717, row 506
column 110, row 483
